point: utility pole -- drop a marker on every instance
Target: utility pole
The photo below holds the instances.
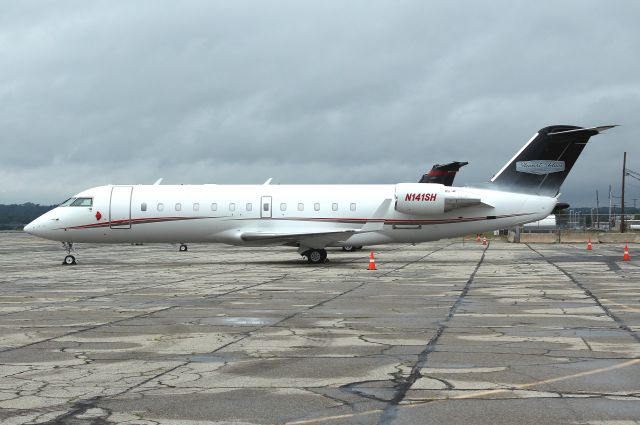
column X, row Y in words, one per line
column 609, row 207
column 624, row 173
column 597, row 211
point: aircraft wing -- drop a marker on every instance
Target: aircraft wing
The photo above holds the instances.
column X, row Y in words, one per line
column 319, row 238
column 311, row 239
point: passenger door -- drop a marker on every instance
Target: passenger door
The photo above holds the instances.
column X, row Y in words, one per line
column 120, row 207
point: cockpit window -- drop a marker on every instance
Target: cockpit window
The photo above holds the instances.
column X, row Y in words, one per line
column 67, row 202
column 82, row 202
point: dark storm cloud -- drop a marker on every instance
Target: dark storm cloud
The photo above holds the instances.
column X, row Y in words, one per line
column 337, row 92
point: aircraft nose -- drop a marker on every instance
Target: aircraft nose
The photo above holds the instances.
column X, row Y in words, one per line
column 29, row 228
column 36, row 228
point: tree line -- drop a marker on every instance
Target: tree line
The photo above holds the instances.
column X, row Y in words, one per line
column 15, row 216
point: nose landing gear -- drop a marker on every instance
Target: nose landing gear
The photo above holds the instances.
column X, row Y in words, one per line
column 69, row 260
column 183, row 247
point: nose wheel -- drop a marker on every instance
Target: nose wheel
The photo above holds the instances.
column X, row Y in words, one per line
column 69, row 260
column 183, row 248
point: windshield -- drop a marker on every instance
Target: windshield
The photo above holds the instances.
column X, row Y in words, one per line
column 77, row 202
column 67, row 202
column 82, row 202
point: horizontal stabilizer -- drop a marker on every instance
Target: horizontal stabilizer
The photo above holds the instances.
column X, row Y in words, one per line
column 582, row 131
column 559, row 207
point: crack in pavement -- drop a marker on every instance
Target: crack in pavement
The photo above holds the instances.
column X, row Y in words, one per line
column 390, row 411
column 621, row 323
column 126, row 291
column 83, row 405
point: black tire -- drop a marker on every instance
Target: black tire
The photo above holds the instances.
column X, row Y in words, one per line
column 183, row 248
column 348, row 248
column 69, row 260
column 316, row 256
column 324, row 255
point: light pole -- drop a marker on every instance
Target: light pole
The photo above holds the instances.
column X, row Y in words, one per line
column 597, row 211
column 609, row 207
column 624, row 173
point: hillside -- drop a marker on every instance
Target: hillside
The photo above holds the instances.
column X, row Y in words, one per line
column 15, row 216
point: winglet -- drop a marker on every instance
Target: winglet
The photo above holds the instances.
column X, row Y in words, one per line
column 268, row 182
column 158, row 181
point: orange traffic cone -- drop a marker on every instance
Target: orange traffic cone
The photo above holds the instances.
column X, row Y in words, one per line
column 478, row 237
column 484, row 240
column 372, row 262
column 589, row 245
column 626, row 256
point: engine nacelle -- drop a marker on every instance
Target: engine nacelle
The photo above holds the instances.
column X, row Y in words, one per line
column 420, row 198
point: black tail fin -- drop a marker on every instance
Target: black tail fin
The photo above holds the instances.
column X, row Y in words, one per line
column 542, row 164
column 443, row 173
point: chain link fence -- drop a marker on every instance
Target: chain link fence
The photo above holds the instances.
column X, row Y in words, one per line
column 579, row 222
column 576, row 227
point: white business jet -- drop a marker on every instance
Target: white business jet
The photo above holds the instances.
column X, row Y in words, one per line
column 313, row 217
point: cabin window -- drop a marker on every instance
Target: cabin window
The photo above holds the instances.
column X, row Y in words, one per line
column 316, row 206
column 178, row 206
column 283, row 207
column 214, row 207
column 249, row 206
column 232, row 207
column 334, row 206
column 196, row 207
column 353, row 206
column 300, row 206
column 160, row 206
column 143, row 206
column 82, row 202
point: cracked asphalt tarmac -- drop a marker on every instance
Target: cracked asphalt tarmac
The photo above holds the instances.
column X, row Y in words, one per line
column 444, row 332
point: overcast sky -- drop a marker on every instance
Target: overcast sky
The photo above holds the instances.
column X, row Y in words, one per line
column 94, row 93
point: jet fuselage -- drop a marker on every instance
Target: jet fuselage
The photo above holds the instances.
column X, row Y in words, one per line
column 224, row 213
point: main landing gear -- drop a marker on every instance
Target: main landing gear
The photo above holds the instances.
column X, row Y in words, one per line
column 69, row 260
column 316, row 256
column 183, row 247
column 350, row 248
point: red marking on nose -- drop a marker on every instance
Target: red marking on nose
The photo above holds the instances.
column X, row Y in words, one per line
column 98, row 216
